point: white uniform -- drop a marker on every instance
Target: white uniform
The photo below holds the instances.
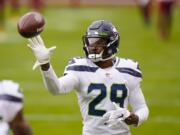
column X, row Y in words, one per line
column 97, row 88
column 10, row 103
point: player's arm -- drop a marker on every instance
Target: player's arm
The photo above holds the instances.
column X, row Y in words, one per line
column 45, row 67
column 57, row 85
column 140, row 110
column 136, row 99
column 19, row 125
column 136, row 117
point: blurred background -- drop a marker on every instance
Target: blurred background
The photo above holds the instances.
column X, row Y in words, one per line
column 150, row 34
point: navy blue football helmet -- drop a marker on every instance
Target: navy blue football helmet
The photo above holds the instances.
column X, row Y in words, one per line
column 105, row 30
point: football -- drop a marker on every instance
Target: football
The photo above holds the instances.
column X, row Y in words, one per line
column 31, row 24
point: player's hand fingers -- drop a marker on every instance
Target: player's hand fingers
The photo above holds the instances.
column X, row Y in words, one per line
column 31, row 43
column 52, row 49
column 111, row 122
column 108, row 122
column 107, row 115
column 40, row 40
column 114, row 122
column 35, row 41
column 28, row 45
column 31, row 47
column 120, row 119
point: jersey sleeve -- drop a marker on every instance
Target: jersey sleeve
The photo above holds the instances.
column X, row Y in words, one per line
column 133, row 75
column 11, row 100
column 10, row 110
column 72, row 64
column 138, row 104
column 131, row 72
column 60, row 85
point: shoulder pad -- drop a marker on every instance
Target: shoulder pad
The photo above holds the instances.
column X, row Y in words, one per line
column 79, row 64
column 8, row 87
column 129, row 64
column 130, row 67
column 77, row 61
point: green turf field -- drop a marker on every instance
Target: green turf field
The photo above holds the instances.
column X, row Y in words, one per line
column 59, row 115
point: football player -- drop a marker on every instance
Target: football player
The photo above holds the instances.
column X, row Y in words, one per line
column 37, row 5
column 15, row 4
column 15, row 10
column 2, row 14
column 165, row 12
column 145, row 7
column 11, row 109
column 105, row 84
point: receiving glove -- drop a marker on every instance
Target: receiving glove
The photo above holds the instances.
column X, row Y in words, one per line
column 116, row 116
column 41, row 53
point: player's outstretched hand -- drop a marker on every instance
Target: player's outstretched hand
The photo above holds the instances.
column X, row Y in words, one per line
column 116, row 116
column 40, row 51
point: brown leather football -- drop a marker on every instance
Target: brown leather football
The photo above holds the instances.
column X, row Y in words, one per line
column 31, row 24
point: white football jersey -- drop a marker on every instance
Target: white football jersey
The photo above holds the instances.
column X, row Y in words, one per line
column 97, row 88
column 10, row 103
column 4, row 128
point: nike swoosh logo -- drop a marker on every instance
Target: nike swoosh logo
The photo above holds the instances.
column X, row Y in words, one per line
column 121, row 116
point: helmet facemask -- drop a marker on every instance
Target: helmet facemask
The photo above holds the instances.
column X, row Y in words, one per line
column 95, row 48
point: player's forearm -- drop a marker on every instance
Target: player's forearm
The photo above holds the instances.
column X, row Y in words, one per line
column 138, row 117
column 142, row 114
column 45, row 67
column 50, row 79
column 57, row 85
column 138, row 104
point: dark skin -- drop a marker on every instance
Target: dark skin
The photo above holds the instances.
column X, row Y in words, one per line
column 19, row 125
column 97, row 48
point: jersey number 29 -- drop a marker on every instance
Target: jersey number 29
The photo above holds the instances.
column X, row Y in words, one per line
column 114, row 96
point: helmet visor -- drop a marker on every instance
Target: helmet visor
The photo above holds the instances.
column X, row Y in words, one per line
column 95, row 42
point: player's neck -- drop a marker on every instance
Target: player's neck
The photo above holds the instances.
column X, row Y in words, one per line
column 105, row 64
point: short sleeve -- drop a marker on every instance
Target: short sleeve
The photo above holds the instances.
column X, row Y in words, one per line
column 11, row 100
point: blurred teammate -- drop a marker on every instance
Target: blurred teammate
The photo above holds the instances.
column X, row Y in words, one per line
column 2, row 14
column 15, row 6
column 14, row 11
column 11, row 109
column 165, row 11
column 105, row 84
column 37, row 5
column 145, row 9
